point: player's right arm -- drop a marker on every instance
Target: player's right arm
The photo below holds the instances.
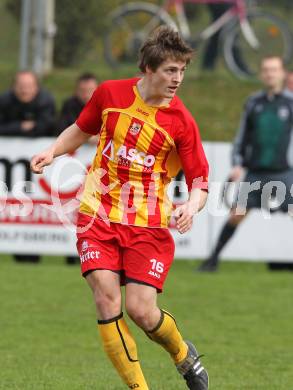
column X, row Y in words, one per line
column 87, row 124
column 68, row 141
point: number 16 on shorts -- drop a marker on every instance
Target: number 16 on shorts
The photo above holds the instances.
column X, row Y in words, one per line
column 157, row 268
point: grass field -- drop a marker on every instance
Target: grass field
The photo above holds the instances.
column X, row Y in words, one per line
column 241, row 318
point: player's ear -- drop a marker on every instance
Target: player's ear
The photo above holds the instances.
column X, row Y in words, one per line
column 148, row 70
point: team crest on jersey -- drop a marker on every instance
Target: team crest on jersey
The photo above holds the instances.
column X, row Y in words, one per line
column 283, row 113
column 135, row 128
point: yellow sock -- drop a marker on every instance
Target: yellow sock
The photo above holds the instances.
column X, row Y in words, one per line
column 121, row 349
column 168, row 336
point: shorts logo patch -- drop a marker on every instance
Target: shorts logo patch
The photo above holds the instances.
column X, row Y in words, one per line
column 90, row 255
column 84, row 246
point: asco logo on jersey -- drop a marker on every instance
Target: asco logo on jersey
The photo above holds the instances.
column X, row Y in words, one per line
column 130, row 155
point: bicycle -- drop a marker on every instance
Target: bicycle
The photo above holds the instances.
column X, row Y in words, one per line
column 247, row 33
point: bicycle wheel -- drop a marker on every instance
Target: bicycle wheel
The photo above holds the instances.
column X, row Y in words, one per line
column 273, row 38
column 129, row 25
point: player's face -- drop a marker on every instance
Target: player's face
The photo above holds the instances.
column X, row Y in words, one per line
column 167, row 78
column 85, row 89
column 272, row 73
column 25, row 87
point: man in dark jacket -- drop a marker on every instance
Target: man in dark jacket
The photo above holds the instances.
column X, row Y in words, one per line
column 263, row 148
column 26, row 110
column 212, row 48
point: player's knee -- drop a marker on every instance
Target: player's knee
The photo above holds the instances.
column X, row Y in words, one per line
column 139, row 314
column 107, row 302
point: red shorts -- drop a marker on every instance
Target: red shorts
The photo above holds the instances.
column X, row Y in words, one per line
column 137, row 253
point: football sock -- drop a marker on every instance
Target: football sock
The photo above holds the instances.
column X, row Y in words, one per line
column 168, row 336
column 225, row 235
column 120, row 347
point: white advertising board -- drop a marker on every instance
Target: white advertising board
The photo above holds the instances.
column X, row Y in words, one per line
column 33, row 223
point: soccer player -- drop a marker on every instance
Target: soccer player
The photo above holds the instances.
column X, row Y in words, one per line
column 146, row 133
column 262, row 146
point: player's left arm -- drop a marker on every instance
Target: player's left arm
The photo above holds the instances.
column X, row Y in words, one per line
column 196, row 169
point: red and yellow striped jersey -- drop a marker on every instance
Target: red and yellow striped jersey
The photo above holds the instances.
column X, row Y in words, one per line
column 140, row 149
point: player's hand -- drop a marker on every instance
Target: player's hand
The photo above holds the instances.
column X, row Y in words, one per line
column 41, row 160
column 184, row 217
column 236, row 173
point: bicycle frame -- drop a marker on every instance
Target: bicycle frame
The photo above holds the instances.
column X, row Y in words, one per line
column 238, row 9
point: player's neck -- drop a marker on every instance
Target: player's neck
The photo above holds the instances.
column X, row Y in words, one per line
column 150, row 96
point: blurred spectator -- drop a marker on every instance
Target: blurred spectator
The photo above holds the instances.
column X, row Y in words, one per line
column 85, row 86
column 289, row 81
column 213, row 46
column 26, row 110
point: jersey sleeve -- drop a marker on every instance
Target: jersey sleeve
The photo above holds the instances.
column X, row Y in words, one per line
column 192, row 155
column 241, row 139
column 90, row 118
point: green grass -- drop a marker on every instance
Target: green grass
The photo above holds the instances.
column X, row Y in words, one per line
column 9, row 45
column 241, row 318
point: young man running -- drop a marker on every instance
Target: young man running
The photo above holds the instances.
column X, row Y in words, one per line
column 146, row 133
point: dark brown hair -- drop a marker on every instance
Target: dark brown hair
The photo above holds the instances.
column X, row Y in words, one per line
column 164, row 43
